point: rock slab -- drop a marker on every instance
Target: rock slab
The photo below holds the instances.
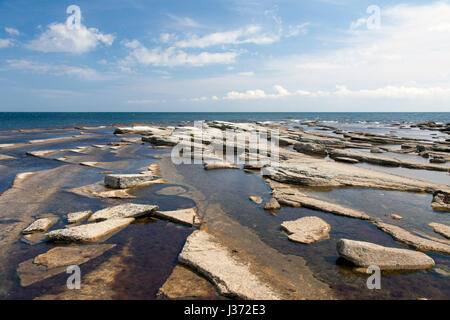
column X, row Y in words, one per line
column 89, row 232
column 216, row 262
column 128, row 210
column 123, row 181
column 306, row 230
column 40, row 225
column 365, row 254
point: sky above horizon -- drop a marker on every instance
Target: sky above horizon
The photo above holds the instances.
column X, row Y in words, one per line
column 225, row 55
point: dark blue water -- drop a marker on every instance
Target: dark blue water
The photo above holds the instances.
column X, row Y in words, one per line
column 15, row 120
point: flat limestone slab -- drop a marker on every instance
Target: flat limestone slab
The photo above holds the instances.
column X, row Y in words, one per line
column 412, row 240
column 442, row 229
column 365, row 254
column 123, row 181
column 40, row 225
column 76, row 217
column 89, row 232
column 220, row 165
column 56, row 260
column 232, row 278
column 128, row 210
column 306, row 230
column 184, row 283
column 185, row 216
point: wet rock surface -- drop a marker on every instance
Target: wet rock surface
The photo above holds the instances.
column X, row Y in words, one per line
column 40, row 225
column 76, row 217
column 123, row 181
column 184, row 216
column 88, row 232
column 442, row 229
column 129, row 210
column 441, row 201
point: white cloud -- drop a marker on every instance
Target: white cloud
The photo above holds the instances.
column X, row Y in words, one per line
column 249, row 34
column 83, row 73
column 12, row 31
column 5, row 43
column 59, row 38
column 171, row 57
column 184, row 22
column 257, row 94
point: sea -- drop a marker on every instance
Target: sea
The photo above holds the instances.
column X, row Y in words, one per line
column 27, row 120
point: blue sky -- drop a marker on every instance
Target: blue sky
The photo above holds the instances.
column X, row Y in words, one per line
column 256, row 55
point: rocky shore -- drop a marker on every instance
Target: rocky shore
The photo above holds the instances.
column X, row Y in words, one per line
column 221, row 255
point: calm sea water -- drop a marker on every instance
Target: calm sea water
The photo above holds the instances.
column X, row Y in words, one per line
column 13, row 120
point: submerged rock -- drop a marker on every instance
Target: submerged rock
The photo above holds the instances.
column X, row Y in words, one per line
column 128, row 210
column 217, row 263
column 412, row 240
column 256, row 199
column 89, row 232
column 76, row 217
column 184, row 216
column 124, row 181
column 40, row 225
column 442, row 229
column 272, row 204
column 56, row 260
column 184, row 283
column 306, row 230
column 441, row 201
column 396, row 217
column 365, row 254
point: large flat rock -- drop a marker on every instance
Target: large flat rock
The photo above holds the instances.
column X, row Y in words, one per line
column 442, row 229
column 365, row 254
column 306, row 230
column 124, row 181
column 184, row 216
column 412, row 240
column 313, row 172
column 56, row 260
column 89, row 232
column 128, row 210
column 40, row 225
column 214, row 261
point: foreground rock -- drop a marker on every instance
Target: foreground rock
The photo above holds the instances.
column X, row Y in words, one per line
column 76, row 217
column 184, row 283
column 272, row 204
column 220, row 165
column 124, row 181
column 56, row 261
column 365, row 254
column 231, row 277
column 441, row 201
column 184, row 216
column 412, row 240
column 128, row 210
column 256, row 199
column 306, row 230
column 89, row 232
column 40, row 225
column 442, row 229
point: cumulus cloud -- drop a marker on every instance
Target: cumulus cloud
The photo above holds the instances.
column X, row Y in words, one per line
column 83, row 73
column 12, row 31
column 171, row 57
column 59, row 38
